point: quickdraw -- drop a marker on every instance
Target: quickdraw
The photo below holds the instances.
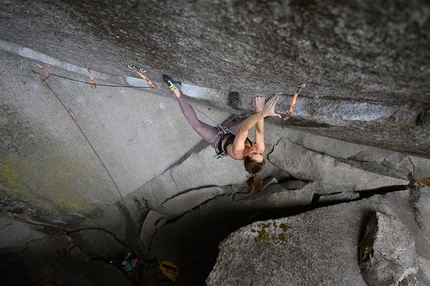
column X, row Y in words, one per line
column 72, row 115
column 422, row 182
column 48, row 72
column 293, row 102
column 93, row 83
column 140, row 73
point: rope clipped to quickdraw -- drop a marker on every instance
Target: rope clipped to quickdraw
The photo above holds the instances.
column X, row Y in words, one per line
column 140, row 73
column 92, row 81
column 48, row 72
column 43, row 79
column 293, row 102
column 93, row 85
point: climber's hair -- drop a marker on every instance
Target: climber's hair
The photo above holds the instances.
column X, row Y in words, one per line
column 254, row 182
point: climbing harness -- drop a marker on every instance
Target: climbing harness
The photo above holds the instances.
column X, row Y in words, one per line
column 293, row 102
column 222, row 130
column 219, row 153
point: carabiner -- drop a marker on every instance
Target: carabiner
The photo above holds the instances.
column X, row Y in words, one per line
column 300, row 86
column 132, row 67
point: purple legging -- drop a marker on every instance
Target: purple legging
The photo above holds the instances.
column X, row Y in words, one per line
column 209, row 133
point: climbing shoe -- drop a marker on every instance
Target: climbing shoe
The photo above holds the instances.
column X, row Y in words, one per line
column 171, row 84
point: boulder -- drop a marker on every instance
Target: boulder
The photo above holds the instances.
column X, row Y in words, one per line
column 14, row 235
column 319, row 247
column 387, row 251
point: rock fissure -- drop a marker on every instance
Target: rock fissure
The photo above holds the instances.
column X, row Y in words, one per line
column 366, row 72
column 96, row 228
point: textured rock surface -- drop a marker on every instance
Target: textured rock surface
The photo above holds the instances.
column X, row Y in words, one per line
column 387, row 251
column 184, row 202
column 308, row 249
column 366, row 66
column 320, row 247
column 57, row 260
column 327, row 172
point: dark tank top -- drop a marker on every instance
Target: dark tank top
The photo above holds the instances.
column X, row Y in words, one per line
column 229, row 141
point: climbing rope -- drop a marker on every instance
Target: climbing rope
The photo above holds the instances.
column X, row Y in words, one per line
column 92, row 81
column 93, row 85
column 154, row 87
column 222, row 129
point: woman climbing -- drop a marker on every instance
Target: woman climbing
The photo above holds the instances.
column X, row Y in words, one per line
column 236, row 143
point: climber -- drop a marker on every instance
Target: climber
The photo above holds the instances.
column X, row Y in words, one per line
column 129, row 263
column 236, row 143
